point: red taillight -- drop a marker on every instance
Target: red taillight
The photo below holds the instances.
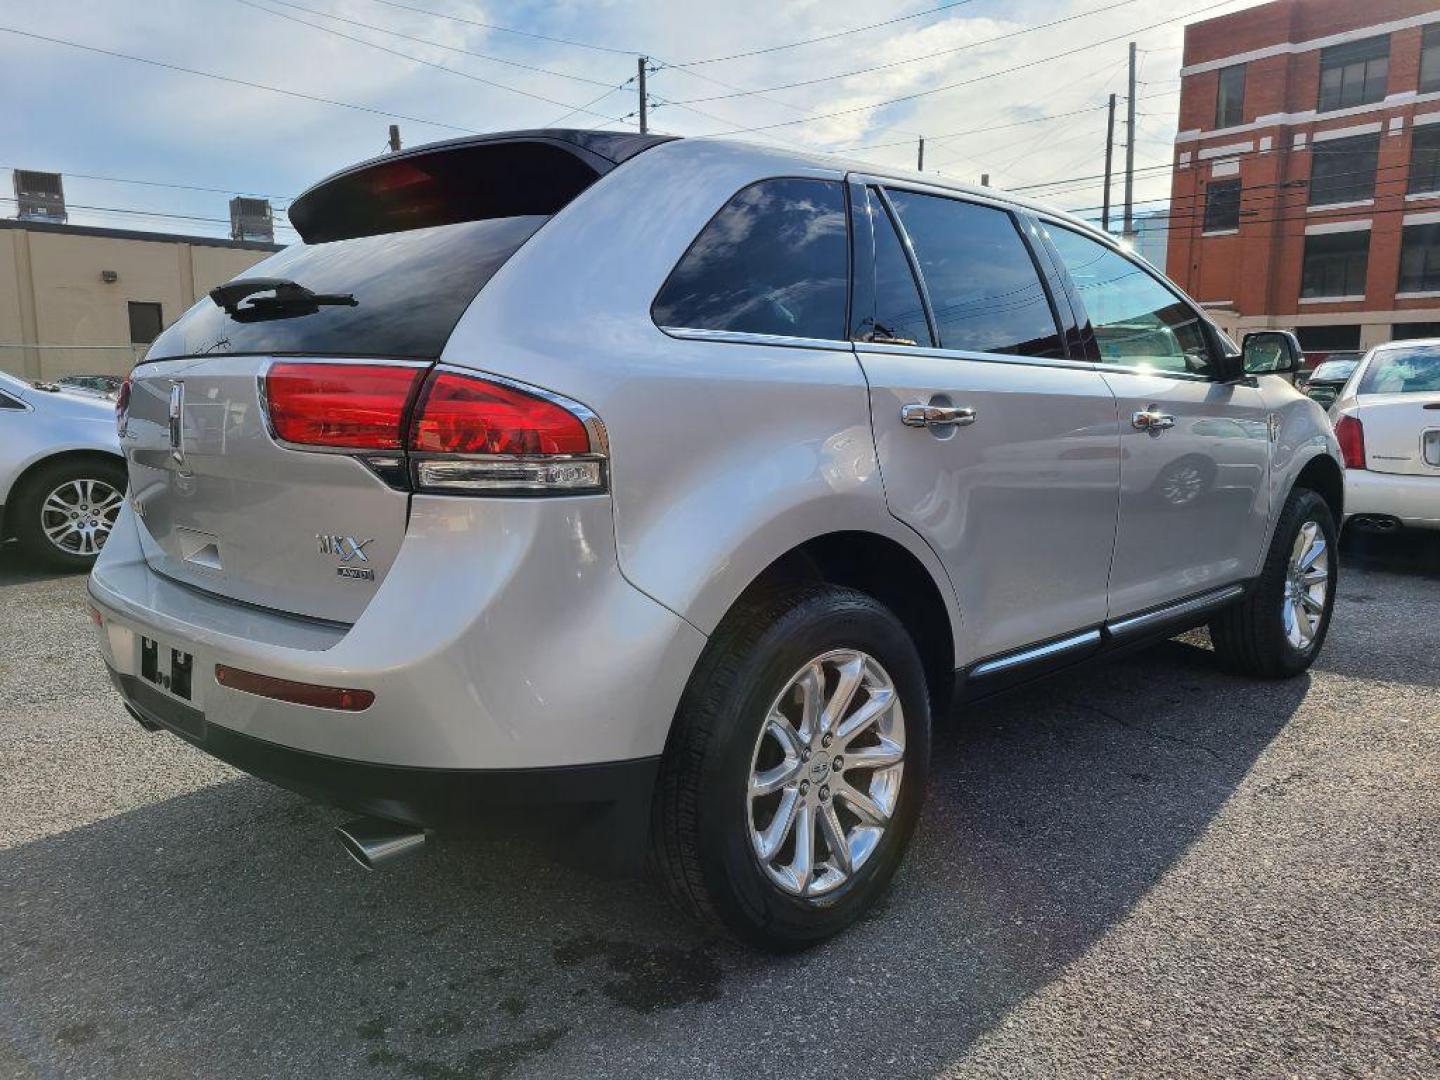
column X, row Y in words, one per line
column 1351, row 433
column 458, row 414
column 351, row 406
column 122, row 406
column 321, row 697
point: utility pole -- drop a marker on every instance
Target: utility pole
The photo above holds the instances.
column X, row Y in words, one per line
column 1109, row 163
column 644, row 99
column 1129, row 232
column 920, row 156
column 394, row 137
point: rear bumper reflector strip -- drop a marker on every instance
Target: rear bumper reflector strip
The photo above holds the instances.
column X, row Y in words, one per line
column 321, row 697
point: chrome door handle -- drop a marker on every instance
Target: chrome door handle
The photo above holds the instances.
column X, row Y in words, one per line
column 1152, row 420
column 936, row 416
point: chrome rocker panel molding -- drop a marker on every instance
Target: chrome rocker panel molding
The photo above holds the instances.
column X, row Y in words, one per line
column 1012, row 669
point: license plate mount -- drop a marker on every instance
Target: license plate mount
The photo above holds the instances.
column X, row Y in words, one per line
column 172, row 670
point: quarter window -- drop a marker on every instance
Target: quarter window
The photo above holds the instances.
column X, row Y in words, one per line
column 1336, row 264
column 1230, row 97
column 1420, row 259
column 1137, row 321
column 898, row 315
column 772, row 261
column 1222, row 206
column 1425, row 159
column 1343, row 170
column 1355, row 73
column 984, row 289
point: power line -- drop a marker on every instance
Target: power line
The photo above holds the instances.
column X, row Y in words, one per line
column 823, row 37
column 151, row 213
column 980, row 78
column 507, row 29
column 913, row 59
column 440, row 45
column 415, row 59
column 238, row 82
column 163, row 184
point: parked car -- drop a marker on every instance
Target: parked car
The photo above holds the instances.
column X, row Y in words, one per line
column 62, row 477
column 1387, row 419
column 109, row 385
column 1325, row 381
column 689, row 479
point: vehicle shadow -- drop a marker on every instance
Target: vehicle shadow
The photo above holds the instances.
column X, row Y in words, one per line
column 16, row 569
column 222, row 932
column 1413, row 552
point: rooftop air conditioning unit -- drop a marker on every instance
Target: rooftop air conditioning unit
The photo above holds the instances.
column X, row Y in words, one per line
column 251, row 219
column 40, row 195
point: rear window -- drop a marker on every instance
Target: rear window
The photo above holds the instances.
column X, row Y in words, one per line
column 774, row 260
column 410, row 289
column 1402, row 371
column 1333, row 370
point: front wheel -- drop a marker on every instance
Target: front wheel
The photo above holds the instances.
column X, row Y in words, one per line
column 1278, row 629
column 796, row 768
column 65, row 512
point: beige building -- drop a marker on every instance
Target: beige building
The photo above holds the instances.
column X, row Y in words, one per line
column 76, row 299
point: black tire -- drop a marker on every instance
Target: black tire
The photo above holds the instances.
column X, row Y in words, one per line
column 24, row 513
column 701, row 845
column 1250, row 637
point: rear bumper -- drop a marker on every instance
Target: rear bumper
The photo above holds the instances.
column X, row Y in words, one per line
column 397, row 793
column 1413, row 500
column 503, row 638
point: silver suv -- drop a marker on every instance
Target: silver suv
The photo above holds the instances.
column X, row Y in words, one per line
column 684, row 482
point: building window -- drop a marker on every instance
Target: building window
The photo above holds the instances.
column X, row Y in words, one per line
column 1425, row 159
column 1420, row 259
column 145, row 322
column 1335, row 264
column 1230, row 97
column 1410, row 331
column 1222, row 206
column 1343, row 170
column 1430, row 60
column 1355, row 73
column 1328, row 339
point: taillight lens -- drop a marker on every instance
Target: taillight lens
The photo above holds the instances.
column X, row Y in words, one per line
column 471, row 434
column 345, row 406
column 1351, row 434
column 458, row 414
column 122, row 407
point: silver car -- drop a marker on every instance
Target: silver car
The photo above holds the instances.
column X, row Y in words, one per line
column 62, row 478
column 685, row 482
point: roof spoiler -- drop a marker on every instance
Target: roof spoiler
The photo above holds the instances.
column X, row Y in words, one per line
column 505, row 174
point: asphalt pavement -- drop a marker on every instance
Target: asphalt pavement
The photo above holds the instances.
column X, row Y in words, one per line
column 1147, row 869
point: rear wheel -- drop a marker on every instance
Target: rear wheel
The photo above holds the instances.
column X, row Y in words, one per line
column 66, row 509
column 795, row 771
column 1277, row 631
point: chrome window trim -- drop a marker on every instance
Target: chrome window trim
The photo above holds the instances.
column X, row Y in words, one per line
column 974, row 355
column 1038, row 652
column 1161, row 373
column 740, row 337
column 1135, row 623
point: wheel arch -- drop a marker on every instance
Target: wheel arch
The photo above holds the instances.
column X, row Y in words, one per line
column 19, row 488
column 1322, row 474
column 886, row 569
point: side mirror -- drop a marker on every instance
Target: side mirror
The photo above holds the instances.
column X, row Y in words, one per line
column 1271, row 352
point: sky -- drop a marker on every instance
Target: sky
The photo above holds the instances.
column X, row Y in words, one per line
column 990, row 84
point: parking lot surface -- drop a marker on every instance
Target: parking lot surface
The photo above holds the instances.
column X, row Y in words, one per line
column 1148, row 869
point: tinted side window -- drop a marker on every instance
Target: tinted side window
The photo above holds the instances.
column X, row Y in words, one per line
column 983, row 285
column 896, row 313
column 772, row 261
column 1137, row 321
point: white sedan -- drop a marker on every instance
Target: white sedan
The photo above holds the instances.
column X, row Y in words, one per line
column 1387, row 419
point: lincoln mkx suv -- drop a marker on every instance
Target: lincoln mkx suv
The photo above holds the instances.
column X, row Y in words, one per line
column 683, row 483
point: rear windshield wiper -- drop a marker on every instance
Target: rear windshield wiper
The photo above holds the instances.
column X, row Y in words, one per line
column 291, row 299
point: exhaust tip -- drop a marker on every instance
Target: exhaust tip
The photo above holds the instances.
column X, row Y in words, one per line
column 373, row 842
column 1376, row 523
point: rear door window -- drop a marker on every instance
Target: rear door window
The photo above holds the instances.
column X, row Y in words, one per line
column 984, row 288
column 774, row 260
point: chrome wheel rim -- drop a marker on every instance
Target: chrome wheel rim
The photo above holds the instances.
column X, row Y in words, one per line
column 1307, row 585
column 825, row 773
column 78, row 515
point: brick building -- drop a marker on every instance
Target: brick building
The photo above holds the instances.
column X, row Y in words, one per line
column 1307, row 170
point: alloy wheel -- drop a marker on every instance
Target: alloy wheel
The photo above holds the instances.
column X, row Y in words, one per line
column 826, row 772
column 1307, row 585
column 78, row 515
